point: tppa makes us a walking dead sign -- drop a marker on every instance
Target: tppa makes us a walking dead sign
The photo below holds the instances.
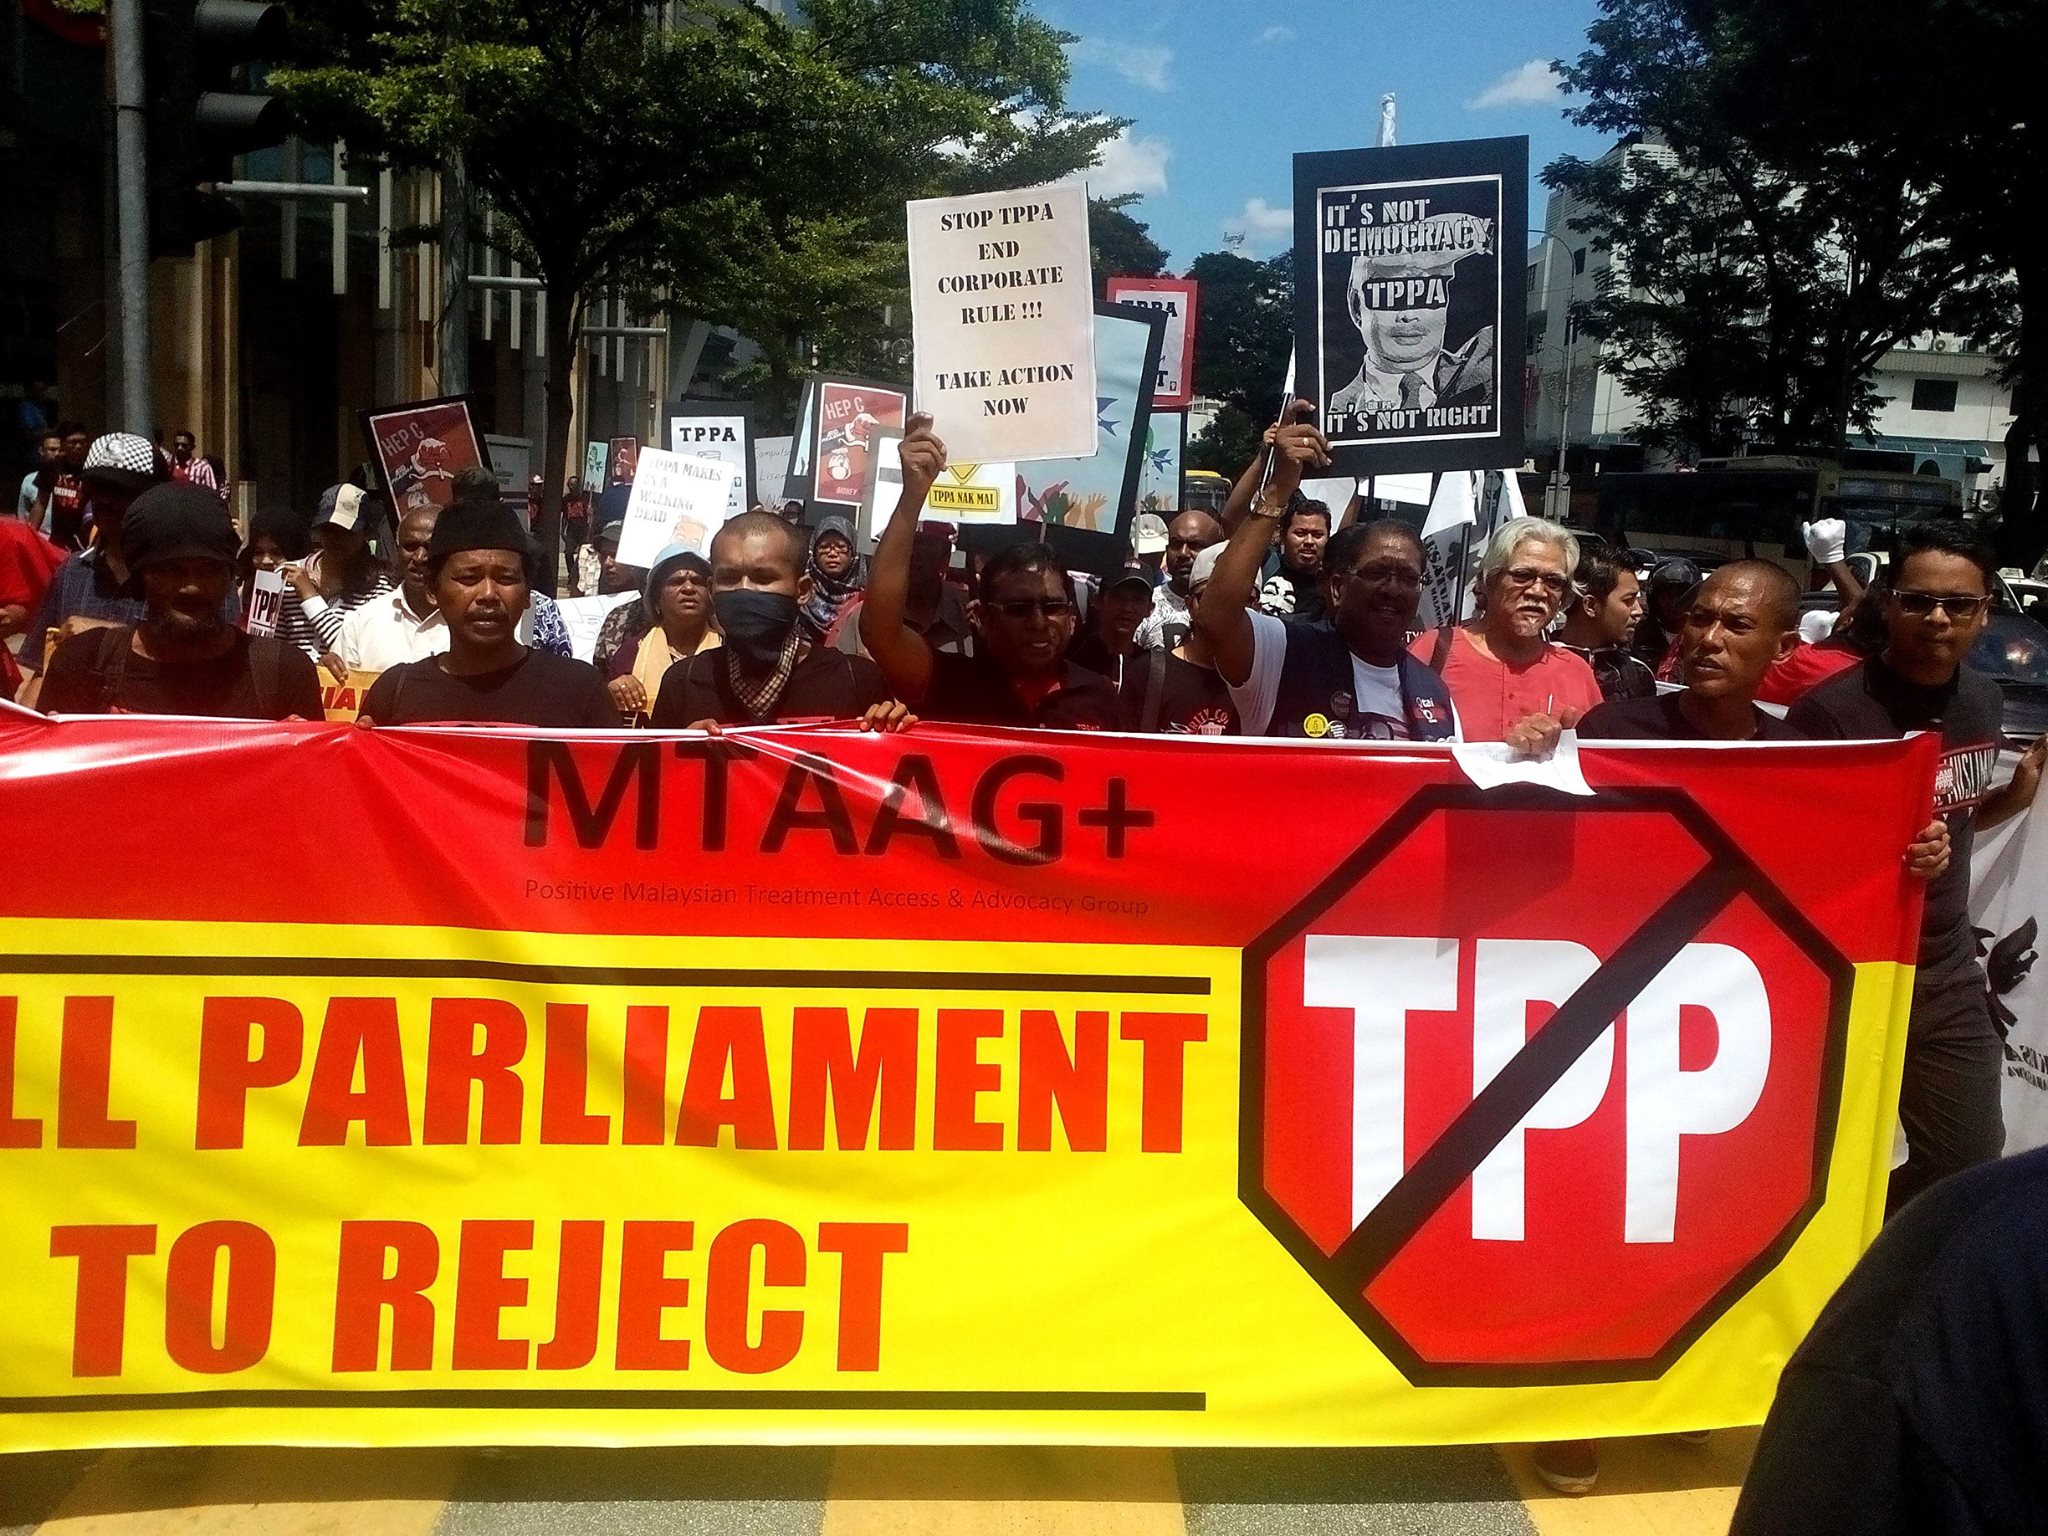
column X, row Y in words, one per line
column 1003, row 318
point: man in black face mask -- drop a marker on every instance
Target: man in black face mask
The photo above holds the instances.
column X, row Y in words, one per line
column 768, row 671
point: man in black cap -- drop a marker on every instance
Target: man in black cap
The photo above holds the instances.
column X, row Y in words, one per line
column 184, row 657
column 480, row 568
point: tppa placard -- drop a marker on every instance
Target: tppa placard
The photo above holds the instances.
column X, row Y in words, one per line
column 1175, row 298
column 1003, row 322
column 1533, row 1126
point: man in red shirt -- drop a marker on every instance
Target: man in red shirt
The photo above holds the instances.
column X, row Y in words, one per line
column 1507, row 682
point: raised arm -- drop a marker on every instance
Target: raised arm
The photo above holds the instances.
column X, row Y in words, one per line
column 899, row 650
column 1223, row 616
column 1239, row 502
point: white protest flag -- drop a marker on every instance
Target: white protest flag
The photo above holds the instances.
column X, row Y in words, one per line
column 677, row 499
column 1453, row 507
column 1448, row 536
column 2008, row 899
column 1511, row 503
column 1334, row 493
column 1002, row 312
column 1410, row 490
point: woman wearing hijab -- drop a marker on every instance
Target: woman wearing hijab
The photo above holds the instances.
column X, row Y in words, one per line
column 678, row 599
column 837, row 574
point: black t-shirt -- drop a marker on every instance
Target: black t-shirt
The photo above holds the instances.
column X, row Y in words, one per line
column 1620, row 675
column 1872, row 701
column 538, row 689
column 973, row 690
column 827, row 684
column 1092, row 654
column 1193, row 700
column 1659, row 718
column 1915, row 1406
column 98, row 672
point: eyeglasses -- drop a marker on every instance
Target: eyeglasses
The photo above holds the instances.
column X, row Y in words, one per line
column 1552, row 582
column 1921, row 604
column 1382, row 573
column 1024, row 608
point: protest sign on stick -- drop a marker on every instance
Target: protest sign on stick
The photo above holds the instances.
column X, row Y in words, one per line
column 625, row 460
column 595, row 457
column 1166, row 437
column 677, row 499
column 1002, row 318
column 420, row 447
column 1408, row 281
column 1175, row 298
column 722, row 430
column 835, row 441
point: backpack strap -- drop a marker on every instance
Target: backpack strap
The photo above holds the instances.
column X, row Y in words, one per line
column 1155, row 690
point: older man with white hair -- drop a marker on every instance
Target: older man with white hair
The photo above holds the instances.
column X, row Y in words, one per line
column 1507, row 681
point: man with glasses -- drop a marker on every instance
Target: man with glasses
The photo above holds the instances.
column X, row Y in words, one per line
column 1023, row 621
column 1940, row 596
column 1509, row 682
column 1342, row 677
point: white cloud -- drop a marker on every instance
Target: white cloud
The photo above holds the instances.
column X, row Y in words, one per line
column 1277, row 34
column 1128, row 163
column 1533, row 84
column 1143, row 64
column 1264, row 227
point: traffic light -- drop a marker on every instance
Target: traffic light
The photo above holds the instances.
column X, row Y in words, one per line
column 202, row 114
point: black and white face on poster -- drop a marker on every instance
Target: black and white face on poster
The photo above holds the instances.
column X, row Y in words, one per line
column 1408, row 283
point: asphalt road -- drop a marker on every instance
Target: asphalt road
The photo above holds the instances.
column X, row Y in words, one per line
column 1648, row 1488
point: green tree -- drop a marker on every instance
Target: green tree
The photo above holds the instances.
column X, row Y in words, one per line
column 809, row 261
column 1244, row 335
column 606, row 135
column 1749, row 285
column 1120, row 245
column 1941, row 89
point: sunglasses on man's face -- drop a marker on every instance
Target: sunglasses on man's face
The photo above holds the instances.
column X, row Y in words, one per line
column 1921, row 604
column 1025, row 607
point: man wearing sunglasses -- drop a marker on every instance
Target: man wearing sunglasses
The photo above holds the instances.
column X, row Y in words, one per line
column 1023, row 619
column 1940, row 595
column 1341, row 677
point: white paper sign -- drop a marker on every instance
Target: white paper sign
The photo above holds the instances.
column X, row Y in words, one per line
column 583, row 617
column 1003, row 321
column 771, row 469
column 723, row 438
column 677, row 499
column 1410, row 490
column 266, row 603
column 1334, row 493
column 966, row 495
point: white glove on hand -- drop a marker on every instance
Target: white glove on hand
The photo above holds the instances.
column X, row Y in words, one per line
column 1827, row 541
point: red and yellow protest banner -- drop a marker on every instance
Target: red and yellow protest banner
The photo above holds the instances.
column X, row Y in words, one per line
column 957, row 1086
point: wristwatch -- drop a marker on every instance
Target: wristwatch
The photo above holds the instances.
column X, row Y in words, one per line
column 1266, row 508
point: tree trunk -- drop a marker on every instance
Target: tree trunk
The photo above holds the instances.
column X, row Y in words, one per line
column 2022, row 538
column 562, row 330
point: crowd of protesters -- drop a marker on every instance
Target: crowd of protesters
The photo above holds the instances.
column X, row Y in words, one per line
column 126, row 588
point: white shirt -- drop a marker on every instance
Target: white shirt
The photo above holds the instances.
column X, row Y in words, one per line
column 380, row 635
column 1168, row 607
column 1377, row 707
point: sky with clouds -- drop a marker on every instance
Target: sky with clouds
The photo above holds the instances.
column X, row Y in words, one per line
column 1222, row 94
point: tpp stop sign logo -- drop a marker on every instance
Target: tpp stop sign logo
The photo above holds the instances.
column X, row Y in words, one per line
column 1536, row 1090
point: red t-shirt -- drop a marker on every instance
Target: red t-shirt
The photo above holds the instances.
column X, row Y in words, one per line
column 1490, row 696
column 1807, row 666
